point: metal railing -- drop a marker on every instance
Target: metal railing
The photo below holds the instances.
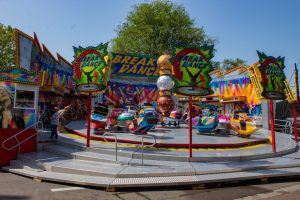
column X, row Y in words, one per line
column 141, row 141
column 18, row 144
column 284, row 126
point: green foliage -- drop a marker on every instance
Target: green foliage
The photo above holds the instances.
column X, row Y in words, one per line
column 7, row 46
column 216, row 64
column 156, row 27
column 232, row 63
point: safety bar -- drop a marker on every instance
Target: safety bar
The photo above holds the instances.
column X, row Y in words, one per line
column 142, row 142
column 15, row 137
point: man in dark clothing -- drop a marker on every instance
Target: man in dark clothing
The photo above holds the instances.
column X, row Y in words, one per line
column 54, row 121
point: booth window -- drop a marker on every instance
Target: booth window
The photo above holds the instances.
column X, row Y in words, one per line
column 24, row 99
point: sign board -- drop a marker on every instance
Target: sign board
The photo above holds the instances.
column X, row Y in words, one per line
column 134, row 65
column 273, row 76
column 191, row 67
column 90, row 68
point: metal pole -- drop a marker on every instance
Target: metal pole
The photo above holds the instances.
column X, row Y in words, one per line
column 142, row 150
column 295, row 123
column 190, row 128
column 116, row 145
column 272, row 127
column 89, row 120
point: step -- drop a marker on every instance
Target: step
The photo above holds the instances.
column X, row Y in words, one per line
column 26, row 165
column 84, row 155
column 109, row 182
column 57, row 163
column 83, row 180
column 102, row 157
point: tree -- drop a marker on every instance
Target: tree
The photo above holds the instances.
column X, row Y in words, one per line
column 152, row 28
column 232, row 63
column 7, row 46
column 216, row 64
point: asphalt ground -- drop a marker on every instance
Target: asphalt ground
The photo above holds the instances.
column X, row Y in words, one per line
column 15, row 187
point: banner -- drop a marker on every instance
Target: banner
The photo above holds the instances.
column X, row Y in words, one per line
column 134, row 65
column 191, row 69
column 273, row 76
column 90, row 69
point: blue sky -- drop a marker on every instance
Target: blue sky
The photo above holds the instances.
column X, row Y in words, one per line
column 241, row 26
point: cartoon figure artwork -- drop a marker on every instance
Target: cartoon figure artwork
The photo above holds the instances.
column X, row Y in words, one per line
column 6, row 105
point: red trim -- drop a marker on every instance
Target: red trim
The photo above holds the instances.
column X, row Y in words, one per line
column 295, row 123
column 190, row 129
column 272, row 127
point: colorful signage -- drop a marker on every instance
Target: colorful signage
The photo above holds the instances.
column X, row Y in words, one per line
column 191, row 69
column 134, row 65
column 90, row 68
column 20, row 75
column 273, row 76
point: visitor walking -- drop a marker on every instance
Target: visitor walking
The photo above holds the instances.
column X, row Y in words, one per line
column 54, row 121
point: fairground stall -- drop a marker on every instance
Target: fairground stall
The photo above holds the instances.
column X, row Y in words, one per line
column 57, row 88
column 19, row 93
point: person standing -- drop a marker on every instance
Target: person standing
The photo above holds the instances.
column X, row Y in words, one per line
column 54, row 121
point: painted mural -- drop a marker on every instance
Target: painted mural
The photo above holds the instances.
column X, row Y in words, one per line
column 118, row 93
column 11, row 117
column 58, row 73
column 239, row 87
column 20, row 75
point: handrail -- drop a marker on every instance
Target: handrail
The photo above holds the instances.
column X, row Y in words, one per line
column 287, row 124
column 287, row 127
column 142, row 143
column 15, row 137
column 153, row 144
column 116, row 142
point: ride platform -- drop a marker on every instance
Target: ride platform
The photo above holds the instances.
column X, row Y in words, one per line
column 171, row 137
